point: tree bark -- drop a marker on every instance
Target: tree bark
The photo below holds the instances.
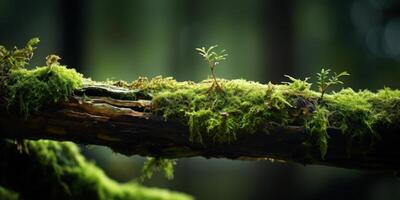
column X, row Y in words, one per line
column 102, row 117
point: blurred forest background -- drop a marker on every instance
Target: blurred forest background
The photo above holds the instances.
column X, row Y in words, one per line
column 265, row 40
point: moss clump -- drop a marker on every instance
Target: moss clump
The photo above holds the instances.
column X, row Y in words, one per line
column 386, row 102
column 29, row 90
column 353, row 112
column 158, row 164
column 317, row 125
column 6, row 194
column 156, row 84
column 56, row 170
column 241, row 108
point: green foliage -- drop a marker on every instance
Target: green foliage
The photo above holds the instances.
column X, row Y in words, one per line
column 57, row 170
column 317, row 126
column 158, row 164
column 213, row 58
column 325, row 81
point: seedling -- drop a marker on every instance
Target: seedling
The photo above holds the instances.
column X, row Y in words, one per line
column 213, row 59
column 324, row 81
column 52, row 60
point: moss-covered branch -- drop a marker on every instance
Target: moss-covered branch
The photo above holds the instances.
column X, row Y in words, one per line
column 355, row 130
column 165, row 118
column 56, row 170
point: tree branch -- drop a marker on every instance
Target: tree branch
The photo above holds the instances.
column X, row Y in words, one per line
column 100, row 115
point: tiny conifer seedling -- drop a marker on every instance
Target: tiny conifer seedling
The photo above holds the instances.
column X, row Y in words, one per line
column 213, row 59
column 324, row 81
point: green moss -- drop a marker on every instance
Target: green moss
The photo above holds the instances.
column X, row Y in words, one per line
column 157, row 84
column 246, row 106
column 158, row 164
column 386, row 104
column 243, row 108
column 56, row 170
column 6, row 194
column 298, row 84
column 221, row 117
column 29, row 90
column 317, row 126
column 353, row 112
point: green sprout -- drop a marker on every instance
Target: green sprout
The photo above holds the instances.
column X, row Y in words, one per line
column 52, row 60
column 213, row 59
column 324, row 81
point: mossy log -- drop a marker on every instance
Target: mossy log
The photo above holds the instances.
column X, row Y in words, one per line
column 56, row 170
column 168, row 119
column 100, row 114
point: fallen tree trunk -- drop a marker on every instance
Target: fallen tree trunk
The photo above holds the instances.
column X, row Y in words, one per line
column 128, row 127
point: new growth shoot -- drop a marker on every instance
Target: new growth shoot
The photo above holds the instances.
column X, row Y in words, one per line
column 324, row 81
column 52, row 60
column 213, row 58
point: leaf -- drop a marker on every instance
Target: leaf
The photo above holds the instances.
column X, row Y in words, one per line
column 211, row 48
column 343, row 74
column 33, row 42
column 323, row 146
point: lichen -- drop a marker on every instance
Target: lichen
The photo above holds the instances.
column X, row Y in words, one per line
column 56, row 170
